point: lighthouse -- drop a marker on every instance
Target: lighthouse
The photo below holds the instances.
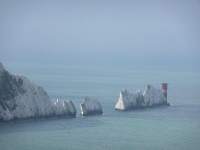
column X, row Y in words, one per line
column 164, row 89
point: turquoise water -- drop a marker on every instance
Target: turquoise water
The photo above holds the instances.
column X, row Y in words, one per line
column 175, row 127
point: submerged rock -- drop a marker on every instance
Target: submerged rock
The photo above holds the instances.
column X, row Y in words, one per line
column 151, row 97
column 90, row 107
column 22, row 99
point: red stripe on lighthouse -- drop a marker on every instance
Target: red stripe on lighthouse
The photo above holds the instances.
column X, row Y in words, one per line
column 164, row 88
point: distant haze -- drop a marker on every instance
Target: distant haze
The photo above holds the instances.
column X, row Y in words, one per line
column 104, row 31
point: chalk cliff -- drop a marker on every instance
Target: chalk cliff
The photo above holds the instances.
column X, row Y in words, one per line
column 151, row 97
column 23, row 99
column 90, row 107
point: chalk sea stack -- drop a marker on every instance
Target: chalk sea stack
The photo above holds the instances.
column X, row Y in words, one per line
column 22, row 99
column 90, row 107
column 150, row 98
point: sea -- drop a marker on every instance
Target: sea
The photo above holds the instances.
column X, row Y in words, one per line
column 175, row 127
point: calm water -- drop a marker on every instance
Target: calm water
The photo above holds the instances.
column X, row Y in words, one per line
column 175, row 127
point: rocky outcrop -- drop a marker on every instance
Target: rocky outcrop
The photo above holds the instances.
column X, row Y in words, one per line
column 150, row 98
column 90, row 107
column 22, row 99
column 128, row 100
column 153, row 97
column 67, row 108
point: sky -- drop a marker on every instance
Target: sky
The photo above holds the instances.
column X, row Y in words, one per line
column 103, row 31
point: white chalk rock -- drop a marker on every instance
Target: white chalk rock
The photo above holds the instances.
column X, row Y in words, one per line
column 151, row 97
column 69, row 108
column 90, row 107
column 22, row 99
column 128, row 100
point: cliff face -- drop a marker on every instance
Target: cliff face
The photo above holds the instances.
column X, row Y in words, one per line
column 67, row 108
column 128, row 100
column 90, row 107
column 151, row 97
column 22, row 99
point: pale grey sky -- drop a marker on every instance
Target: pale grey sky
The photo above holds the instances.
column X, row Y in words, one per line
column 103, row 30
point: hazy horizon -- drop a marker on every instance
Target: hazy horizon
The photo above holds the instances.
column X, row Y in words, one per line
column 124, row 32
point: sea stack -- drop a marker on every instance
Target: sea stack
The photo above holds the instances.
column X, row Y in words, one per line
column 90, row 107
column 150, row 98
column 154, row 97
column 22, row 99
column 128, row 100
